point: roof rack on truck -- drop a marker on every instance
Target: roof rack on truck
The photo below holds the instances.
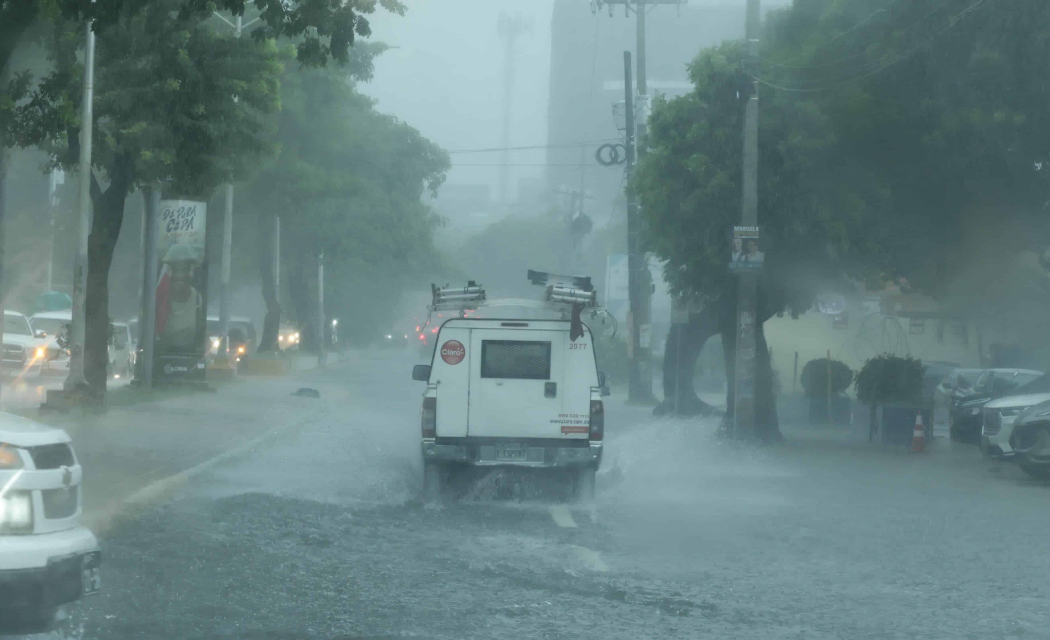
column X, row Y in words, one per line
column 449, row 298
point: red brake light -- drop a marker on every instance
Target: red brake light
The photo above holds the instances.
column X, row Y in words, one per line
column 597, row 420
column 434, row 330
column 422, row 336
column 428, row 417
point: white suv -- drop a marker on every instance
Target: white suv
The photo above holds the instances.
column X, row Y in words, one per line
column 46, row 558
column 997, row 425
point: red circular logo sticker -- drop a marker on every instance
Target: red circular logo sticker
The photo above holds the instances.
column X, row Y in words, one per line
column 453, row 352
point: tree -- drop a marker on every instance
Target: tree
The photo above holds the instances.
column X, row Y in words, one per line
column 349, row 182
column 883, row 154
column 176, row 104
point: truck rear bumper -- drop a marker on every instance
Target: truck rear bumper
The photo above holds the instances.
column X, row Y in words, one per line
column 484, row 454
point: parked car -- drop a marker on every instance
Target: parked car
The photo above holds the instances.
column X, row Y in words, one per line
column 999, row 416
column 47, row 559
column 1030, row 441
column 25, row 351
column 966, row 417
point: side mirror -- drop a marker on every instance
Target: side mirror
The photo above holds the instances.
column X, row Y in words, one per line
column 421, row 372
column 601, row 378
column 41, row 334
column 605, row 391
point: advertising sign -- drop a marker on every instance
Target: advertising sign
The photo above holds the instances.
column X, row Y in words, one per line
column 746, row 252
column 182, row 277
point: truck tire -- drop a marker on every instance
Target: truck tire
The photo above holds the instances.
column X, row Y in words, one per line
column 1037, row 471
column 25, row 621
column 583, row 485
column 434, row 479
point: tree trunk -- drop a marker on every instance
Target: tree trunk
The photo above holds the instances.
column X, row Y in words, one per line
column 299, row 291
column 102, row 241
column 679, row 367
column 272, row 320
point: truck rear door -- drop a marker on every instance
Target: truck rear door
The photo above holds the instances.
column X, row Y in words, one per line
column 517, row 383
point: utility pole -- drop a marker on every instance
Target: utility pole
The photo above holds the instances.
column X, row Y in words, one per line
column 76, row 334
column 321, row 356
column 747, row 320
column 276, row 259
column 54, row 178
column 636, row 389
column 148, row 301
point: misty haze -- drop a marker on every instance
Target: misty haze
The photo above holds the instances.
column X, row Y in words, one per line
column 606, row 319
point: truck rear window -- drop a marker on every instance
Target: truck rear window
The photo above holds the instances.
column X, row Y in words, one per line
column 516, row 359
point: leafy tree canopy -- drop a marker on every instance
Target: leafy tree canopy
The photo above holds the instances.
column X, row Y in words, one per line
column 892, row 139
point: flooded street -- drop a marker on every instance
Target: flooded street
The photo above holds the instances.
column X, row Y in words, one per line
column 321, row 533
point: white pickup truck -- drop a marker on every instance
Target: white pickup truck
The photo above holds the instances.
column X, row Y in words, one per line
column 512, row 391
column 46, row 558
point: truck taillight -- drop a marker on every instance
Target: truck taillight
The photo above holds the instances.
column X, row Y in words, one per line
column 428, row 417
column 597, row 420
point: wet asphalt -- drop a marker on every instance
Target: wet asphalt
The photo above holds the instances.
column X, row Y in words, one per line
column 321, row 533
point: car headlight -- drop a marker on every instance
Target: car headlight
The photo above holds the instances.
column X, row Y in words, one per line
column 9, row 457
column 240, row 349
column 280, row 338
column 215, row 343
column 975, row 411
column 16, row 512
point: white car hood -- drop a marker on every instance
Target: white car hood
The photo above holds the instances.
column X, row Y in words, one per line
column 29, row 342
column 22, row 432
column 1018, row 401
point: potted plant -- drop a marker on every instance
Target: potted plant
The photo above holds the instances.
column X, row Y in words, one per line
column 894, row 385
column 824, row 382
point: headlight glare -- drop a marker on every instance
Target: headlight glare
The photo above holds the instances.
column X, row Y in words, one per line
column 16, row 512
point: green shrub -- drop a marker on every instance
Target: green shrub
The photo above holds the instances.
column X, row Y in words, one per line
column 889, row 378
column 815, row 377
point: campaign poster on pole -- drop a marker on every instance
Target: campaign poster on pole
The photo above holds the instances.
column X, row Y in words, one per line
column 746, row 250
column 182, row 279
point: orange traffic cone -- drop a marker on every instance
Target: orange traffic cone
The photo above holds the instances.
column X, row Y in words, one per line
column 918, row 441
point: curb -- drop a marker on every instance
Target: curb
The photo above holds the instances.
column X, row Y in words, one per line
column 100, row 522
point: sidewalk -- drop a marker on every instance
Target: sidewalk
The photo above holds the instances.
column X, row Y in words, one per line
column 153, row 444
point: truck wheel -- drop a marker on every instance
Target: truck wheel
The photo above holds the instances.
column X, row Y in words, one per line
column 434, row 479
column 1037, row 471
column 583, row 487
column 27, row 621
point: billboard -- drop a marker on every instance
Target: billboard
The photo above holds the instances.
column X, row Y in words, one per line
column 182, row 278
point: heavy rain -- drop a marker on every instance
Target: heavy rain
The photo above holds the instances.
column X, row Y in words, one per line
column 618, row 319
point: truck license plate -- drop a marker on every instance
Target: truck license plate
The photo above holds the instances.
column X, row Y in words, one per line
column 89, row 573
column 511, row 452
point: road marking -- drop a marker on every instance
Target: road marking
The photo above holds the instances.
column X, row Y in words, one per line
column 101, row 521
column 590, row 558
column 562, row 516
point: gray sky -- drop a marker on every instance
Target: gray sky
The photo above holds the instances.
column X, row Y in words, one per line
column 446, row 79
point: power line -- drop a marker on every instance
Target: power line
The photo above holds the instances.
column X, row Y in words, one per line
column 866, row 51
column 537, row 146
column 835, row 39
column 955, row 20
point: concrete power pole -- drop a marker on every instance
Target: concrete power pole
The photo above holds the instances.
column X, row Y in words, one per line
column 76, row 334
column 148, row 300
column 321, row 356
column 747, row 320
column 636, row 388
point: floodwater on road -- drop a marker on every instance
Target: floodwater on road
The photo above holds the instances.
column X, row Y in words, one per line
column 322, row 534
